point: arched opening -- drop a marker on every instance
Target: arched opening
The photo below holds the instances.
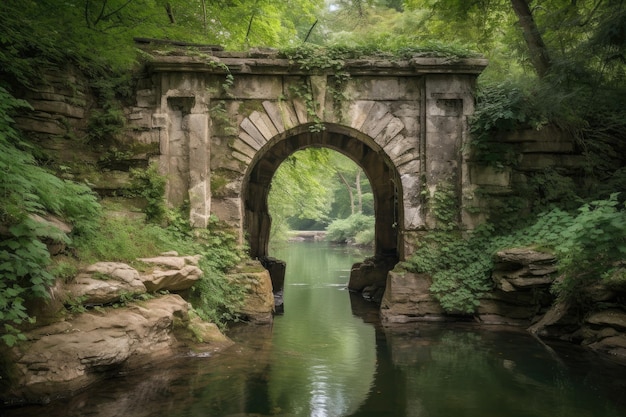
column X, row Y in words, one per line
column 383, row 177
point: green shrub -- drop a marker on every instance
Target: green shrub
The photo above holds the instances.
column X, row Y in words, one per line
column 459, row 268
column 365, row 237
column 346, row 230
column 214, row 297
column 589, row 246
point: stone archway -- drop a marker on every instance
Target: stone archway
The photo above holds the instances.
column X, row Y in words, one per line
column 377, row 166
column 404, row 121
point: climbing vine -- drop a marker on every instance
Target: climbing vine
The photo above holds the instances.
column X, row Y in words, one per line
column 305, row 93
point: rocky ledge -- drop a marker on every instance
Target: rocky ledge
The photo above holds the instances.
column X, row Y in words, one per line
column 111, row 318
column 521, row 297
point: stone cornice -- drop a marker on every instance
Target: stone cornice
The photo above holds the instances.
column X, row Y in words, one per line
column 240, row 64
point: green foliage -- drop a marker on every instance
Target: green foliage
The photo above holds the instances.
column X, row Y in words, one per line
column 550, row 188
column 365, row 237
column 25, row 190
column 106, row 124
column 214, row 297
column 332, row 56
column 591, row 245
column 126, row 238
column 305, row 93
column 459, row 267
column 501, row 107
column 313, row 57
column 588, row 245
column 23, row 262
column 150, row 185
column 301, row 187
column 347, row 230
column 305, row 196
column 445, row 206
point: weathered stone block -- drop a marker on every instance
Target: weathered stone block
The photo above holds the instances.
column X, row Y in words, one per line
column 263, row 87
column 146, row 98
column 258, row 305
column 407, row 298
column 105, row 283
column 382, row 88
column 488, row 175
column 160, row 120
column 541, row 161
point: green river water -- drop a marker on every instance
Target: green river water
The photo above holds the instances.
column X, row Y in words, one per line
column 328, row 356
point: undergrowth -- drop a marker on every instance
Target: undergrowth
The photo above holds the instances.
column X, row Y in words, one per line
column 29, row 194
column 126, row 238
column 357, row 228
column 589, row 244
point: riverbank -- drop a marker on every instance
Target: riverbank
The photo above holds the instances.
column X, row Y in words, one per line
column 331, row 353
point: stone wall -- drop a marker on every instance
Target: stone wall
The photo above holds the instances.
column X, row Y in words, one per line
column 527, row 153
column 63, row 108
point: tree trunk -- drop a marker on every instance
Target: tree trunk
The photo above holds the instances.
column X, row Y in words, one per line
column 170, row 13
column 538, row 52
column 358, row 191
column 204, row 15
column 343, row 179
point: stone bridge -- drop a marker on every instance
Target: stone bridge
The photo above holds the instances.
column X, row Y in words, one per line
column 225, row 121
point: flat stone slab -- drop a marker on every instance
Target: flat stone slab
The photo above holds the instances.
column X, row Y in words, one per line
column 105, row 283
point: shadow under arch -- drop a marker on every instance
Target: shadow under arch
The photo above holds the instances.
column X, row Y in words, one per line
column 377, row 166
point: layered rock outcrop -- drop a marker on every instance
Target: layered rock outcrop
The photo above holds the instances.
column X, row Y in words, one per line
column 62, row 358
column 521, row 297
column 119, row 319
column 601, row 326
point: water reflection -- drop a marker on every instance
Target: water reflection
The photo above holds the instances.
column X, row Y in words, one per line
column 447, row 370
column 324, row 358
column 328, row 356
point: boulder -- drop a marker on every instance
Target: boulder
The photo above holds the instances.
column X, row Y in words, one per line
column 614, row 346
column 372, row 272
column 59, row 359
column 258, row 302
column 172, row 280
column 105, row 283
column 171, row 272
column 171, row 260
column 407, row 298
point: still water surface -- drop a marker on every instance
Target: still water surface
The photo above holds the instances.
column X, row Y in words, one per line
column 327, row 356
